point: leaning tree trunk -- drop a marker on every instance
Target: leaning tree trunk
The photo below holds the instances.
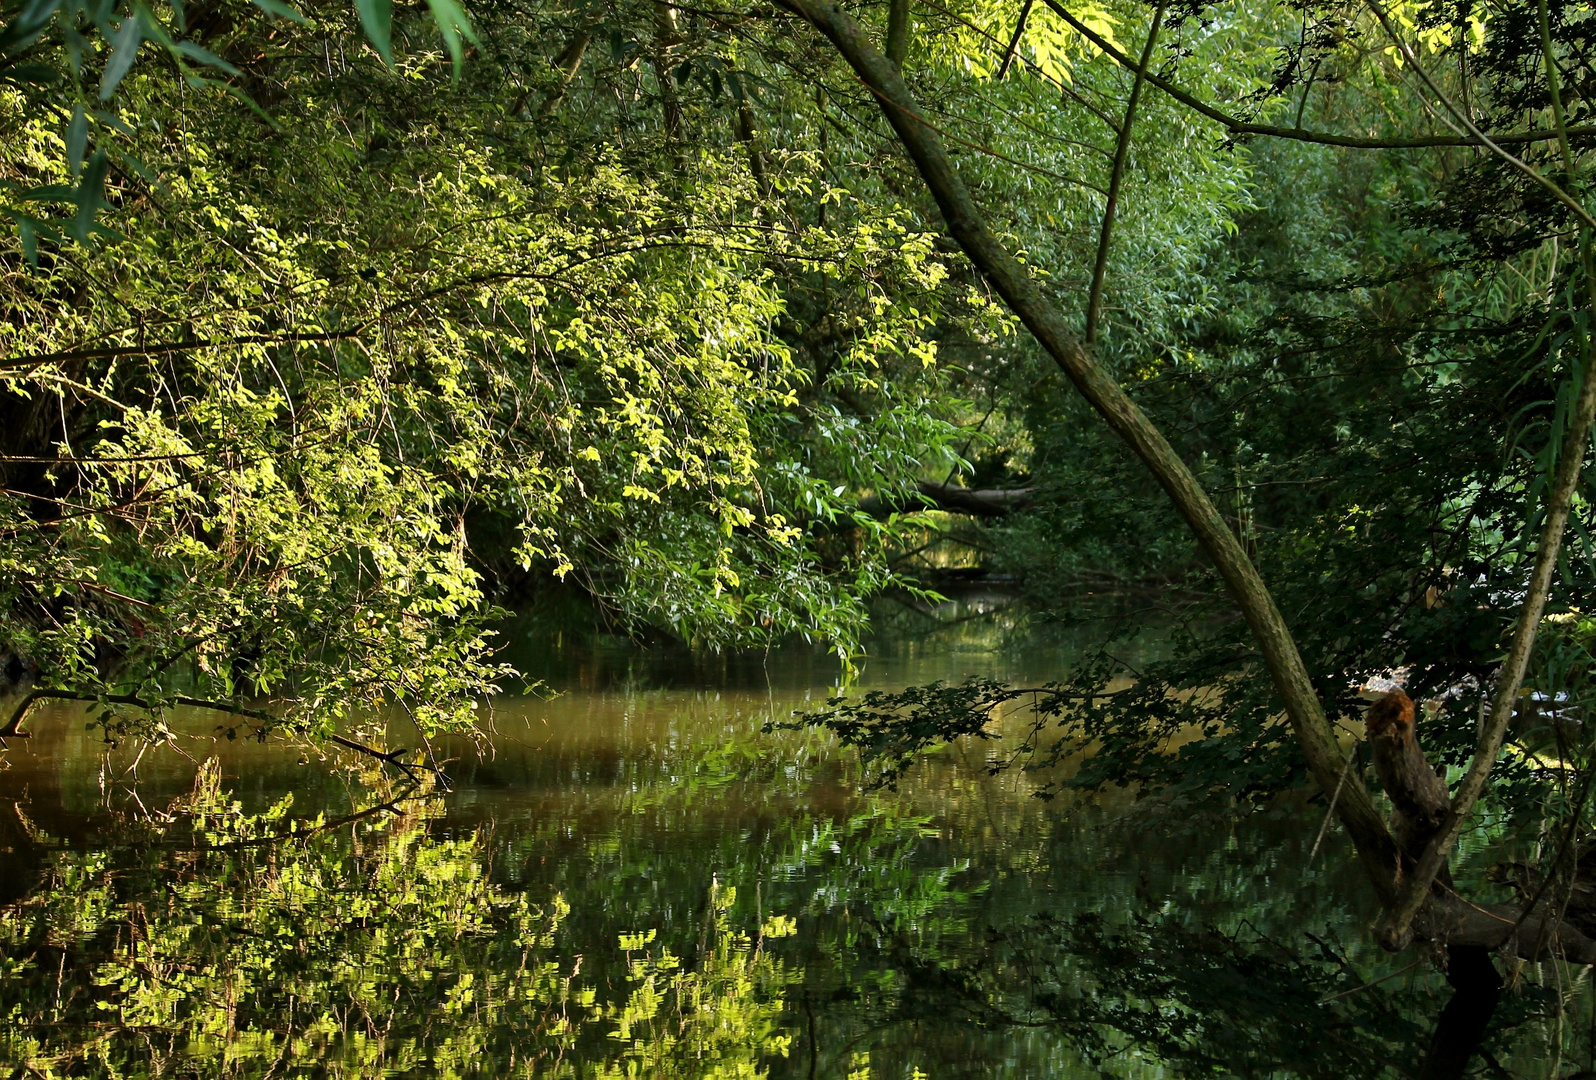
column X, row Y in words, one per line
column 1441, row 917
column 1052, row 330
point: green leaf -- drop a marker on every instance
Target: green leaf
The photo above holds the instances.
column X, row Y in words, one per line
column 28, row 26
column 281, row 10
column 111, row 120
column 30, row 241
column 453, row 24
column 77, row 139
column 206, row 57
column 37, row 74
column 376, row 16
column 88, row 195
column 124, row 47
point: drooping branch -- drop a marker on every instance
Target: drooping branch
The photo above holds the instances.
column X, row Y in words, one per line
column 1047, row 323
column 13, row 729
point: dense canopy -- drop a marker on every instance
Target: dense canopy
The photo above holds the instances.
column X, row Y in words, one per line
column 333, row 335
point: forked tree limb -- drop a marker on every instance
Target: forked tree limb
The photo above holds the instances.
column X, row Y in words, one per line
column 1053, row 331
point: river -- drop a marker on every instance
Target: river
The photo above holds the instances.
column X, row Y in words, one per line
column 631, row 878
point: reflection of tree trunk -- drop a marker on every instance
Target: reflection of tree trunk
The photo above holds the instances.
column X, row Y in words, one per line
column 19, row 855
column 1464, row 1021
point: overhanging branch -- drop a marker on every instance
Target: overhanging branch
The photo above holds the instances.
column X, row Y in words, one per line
column 1238, row 126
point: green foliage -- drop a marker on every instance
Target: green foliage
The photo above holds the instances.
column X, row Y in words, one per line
column 331, row 383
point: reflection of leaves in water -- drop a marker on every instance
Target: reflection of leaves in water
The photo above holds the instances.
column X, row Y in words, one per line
column 371, row 950
column 720, row 1019
column 1199, row 1002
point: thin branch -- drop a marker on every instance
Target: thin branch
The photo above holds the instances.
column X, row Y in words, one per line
column 1094, row 298
column 1370, row 985
column 175, row 347
column 13, row 730
column 1014, row 42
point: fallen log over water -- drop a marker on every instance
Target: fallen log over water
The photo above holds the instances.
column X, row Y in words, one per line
column 977, row 502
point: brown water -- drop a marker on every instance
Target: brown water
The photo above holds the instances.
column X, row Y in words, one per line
column 635, row 881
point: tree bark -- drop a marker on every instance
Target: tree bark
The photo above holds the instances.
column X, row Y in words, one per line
column 1418, row 794
column 567, row 63
column 898, row 33
column 666, row 38
column 1025, row 298
column 748, row 135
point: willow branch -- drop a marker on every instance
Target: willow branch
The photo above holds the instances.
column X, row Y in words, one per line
column 1094, row 298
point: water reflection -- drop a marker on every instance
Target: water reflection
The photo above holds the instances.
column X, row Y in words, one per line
column 635, row 881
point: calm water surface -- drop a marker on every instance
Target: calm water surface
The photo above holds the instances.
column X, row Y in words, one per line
column 634, row 881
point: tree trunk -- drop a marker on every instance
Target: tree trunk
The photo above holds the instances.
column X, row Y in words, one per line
column 1026, row 299
column 568, row 63
column 666, row 38
column 898, row 33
